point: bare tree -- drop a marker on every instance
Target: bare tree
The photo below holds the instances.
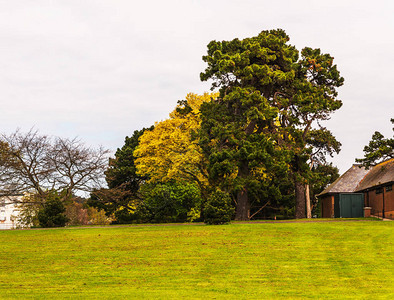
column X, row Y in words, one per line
column 38, row 163
column 77, row 167
column 27, row 167
column 6, row 185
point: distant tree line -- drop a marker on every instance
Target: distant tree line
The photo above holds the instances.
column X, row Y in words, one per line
column 253, row 148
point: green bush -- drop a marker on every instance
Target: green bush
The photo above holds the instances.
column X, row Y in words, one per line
column 171, row 202
column 125, row 216
column 52, row 212
column 218, row 209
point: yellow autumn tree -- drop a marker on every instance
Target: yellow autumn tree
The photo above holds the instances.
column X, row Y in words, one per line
column 168, row 152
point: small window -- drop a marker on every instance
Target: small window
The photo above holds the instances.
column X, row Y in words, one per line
column 389, row 188
column 379, row 190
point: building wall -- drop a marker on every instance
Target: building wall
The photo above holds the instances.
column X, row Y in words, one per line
column 375, row 201
column 327, row 206
column 8, row 213
column 389, row 203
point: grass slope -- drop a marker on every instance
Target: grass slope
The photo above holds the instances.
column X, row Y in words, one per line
column 239, row 261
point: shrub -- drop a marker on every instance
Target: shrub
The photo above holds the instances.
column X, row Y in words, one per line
column 98, row 217
column 124, row 216
column 76, row 214
column 52, row 212
column 218, row 209
column 80, row 214
column 171, row 202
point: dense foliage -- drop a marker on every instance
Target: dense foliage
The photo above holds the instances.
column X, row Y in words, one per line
column 52, row 212
column 154, row 177
column 122, row 169
column 218, row 209
column 169, row 151
column 171, row 202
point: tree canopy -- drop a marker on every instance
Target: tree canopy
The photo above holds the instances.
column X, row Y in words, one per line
column 270, row 99
column 123, row 195
column 378, row 149
column 169, row 151
column 122, row 170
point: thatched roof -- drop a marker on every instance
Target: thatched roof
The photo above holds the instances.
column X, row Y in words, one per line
column 378, row 175
column 347, row 183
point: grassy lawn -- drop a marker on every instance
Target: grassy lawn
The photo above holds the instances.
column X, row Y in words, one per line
column 337, row 260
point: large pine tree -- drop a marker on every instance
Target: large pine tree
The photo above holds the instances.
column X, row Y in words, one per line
column 256, row 131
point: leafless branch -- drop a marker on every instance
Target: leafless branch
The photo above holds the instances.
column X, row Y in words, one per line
column 36, row 163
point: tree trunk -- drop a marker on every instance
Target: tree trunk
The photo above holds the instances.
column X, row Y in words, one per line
column 243, row 206
column 300, row 200
column 242, row 212
column 308, row 202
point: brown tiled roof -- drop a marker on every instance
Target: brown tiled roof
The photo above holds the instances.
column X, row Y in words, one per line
column 379, row 174
column 348, row 182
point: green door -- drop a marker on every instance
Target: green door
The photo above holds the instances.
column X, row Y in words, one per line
column 337, row 211
column 351, row 205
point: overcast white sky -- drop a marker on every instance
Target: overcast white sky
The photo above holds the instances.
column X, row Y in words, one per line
column 102, row 69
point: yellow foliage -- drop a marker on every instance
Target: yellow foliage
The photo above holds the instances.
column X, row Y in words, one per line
column 168, row 152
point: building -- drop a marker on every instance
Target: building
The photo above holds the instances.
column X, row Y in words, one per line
column 377, row 187
column 359, row 192
column 332, row 198
column 9, row 212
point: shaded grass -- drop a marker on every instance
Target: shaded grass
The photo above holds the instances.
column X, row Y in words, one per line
column 281, row 260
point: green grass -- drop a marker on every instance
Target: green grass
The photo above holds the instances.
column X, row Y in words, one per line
column 337, row 260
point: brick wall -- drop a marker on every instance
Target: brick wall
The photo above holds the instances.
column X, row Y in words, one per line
column 327, row 206
column 375, row 201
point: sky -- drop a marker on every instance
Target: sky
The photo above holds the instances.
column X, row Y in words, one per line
column 101, row 69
